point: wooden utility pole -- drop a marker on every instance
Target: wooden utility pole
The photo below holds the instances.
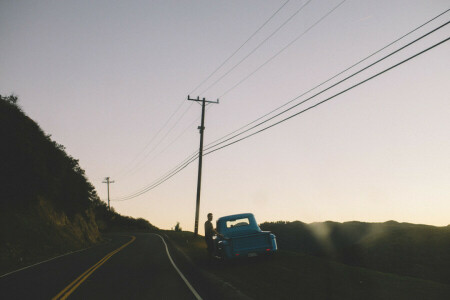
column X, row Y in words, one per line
column 107, row 183
column 200, row 156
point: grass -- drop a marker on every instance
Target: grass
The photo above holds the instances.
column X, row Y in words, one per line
column 291, row 275
column 39, row 233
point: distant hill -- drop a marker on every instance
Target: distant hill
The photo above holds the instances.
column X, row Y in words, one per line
column 47, row 206
column 420, row 251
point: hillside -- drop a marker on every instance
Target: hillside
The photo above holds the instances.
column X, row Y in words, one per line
column 47, row 205
column 419, row 251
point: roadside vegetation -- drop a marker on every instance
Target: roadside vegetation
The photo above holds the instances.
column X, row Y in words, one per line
column 294, row 274
column 47, row 205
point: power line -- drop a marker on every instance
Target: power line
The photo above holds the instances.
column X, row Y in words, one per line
column 192, row 158
column 282, row 50
column 178, row 108
column 226, row 60
column 135, row 167
column 333, row 77
column 162, row 179
column 257, row 47
column 357, row 63
column 163, row 150
column 329, row 98
column 328, row 88
column 169, row 174
column 176, row 139
column 121, row 173
column 140, row 164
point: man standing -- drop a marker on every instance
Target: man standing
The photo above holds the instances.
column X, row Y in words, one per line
column 209, row 233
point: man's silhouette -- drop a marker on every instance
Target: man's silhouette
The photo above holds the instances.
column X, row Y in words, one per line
column 209, row 233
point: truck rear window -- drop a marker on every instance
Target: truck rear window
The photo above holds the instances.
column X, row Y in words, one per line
column 238, row 223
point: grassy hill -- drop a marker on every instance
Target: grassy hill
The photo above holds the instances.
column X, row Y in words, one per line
column 420, row 251
column 47, row 206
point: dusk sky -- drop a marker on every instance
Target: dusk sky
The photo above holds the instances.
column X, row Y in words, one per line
column 109, row 81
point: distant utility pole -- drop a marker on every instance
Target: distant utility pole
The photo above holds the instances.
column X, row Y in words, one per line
column 107, row 183
column 200, row 156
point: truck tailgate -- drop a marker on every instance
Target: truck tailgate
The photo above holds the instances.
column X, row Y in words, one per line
column 250, row 242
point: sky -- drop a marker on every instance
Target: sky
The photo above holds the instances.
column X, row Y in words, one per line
column 109, row 80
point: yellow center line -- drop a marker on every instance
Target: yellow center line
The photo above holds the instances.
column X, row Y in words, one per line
column 80, row 279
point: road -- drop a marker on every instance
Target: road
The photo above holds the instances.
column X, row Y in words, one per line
column 134, row 266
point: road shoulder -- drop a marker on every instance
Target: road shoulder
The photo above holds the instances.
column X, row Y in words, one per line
column 207, row 284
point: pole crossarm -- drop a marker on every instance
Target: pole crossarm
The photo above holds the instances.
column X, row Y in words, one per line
column 202, row 100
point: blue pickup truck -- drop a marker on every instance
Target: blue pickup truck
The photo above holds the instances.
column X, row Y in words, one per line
column 240, row 236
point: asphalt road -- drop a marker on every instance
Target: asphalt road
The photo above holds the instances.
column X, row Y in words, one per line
column 123, row 268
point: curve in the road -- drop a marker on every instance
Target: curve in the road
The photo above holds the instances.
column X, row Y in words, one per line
column 51, row 277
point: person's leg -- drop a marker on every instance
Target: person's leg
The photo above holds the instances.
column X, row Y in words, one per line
column 209, row 248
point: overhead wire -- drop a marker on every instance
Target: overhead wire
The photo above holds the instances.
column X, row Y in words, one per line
column 283, row 49
column 240, row 47
column 162, row 179
column 174, row 140
column 135, row 166
column 257, row 47
column 121, row 172
column 331, row 78
column 193, row 157
column 169, row 174
column 329, row 98
column 333, row 85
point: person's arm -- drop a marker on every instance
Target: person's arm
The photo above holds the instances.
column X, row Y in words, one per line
column 217, row 233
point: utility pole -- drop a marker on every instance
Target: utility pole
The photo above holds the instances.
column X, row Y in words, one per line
column 107, row 183
column 200, row 156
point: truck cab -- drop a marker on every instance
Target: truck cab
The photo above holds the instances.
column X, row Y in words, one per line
column 240, row 236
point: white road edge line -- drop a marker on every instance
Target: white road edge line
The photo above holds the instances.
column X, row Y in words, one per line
column 50, row 259
column 71, row 252
column 197, row 296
